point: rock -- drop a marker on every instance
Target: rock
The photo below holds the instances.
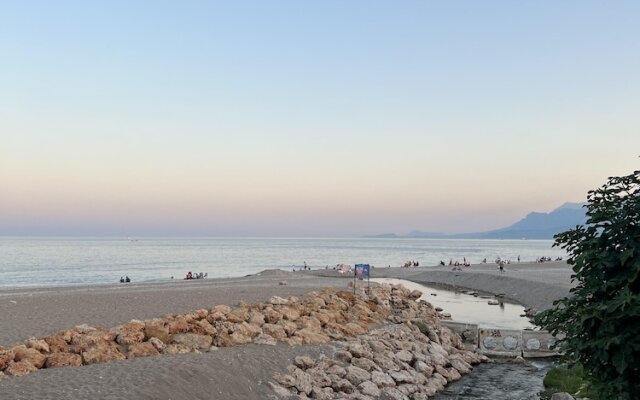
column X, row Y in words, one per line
column 223, row 339
column 304, row 362
column 247, row 329
column 271, row 316
column 179, row 325
column 311, row 336
column 404, row 356
column 493, row 302
column 265, row 340
column 322, row 393
column 277, row 300
column 131, row 332
column 282, row 283
column 562, row 396
column 203, row 327
column 364, row 363
column 20, row 368
column 302, row 381
column 239, row 338
column 281, row 391
column 84, row 337
column 408, row 389
column 343, row 385
column 343, row 356
column 382, row 379
column 337, row 370
column 423, row 368
column 289, row 313
column 57, row 344
column 32, row 356
column 57, row 360
column 101, row 353
column 6, row 356
column 276, row 331
column 158, row 344
column 369, row 388
column 358, row 350
column 256, row 318
column 145, row 349
column 223, row 309
column 392, row 394
column 401, row 377
column 289, row 327
column 518, row 360
column 157, row 329
column 40, row 345
column 175, row 348
column 193, row 341
column 238, row 315
column 415, row 295
column 357, row 375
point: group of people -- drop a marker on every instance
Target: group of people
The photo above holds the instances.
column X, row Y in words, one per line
column 546, row 259
column 411, row 264
column 197, row 275
column 125, row 279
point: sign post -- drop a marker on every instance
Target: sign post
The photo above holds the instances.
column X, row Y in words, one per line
column 361, row 270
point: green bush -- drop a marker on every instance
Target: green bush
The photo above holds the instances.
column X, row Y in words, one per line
column 601, row 316
column 568, row 379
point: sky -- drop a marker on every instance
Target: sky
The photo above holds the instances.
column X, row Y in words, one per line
column 301, row 118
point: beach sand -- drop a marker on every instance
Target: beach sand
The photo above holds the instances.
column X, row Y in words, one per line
column 240, row 372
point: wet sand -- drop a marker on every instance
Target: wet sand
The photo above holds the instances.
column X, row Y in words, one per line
column 241, row 372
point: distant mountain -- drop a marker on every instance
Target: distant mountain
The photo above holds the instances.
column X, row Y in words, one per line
column 535, row 225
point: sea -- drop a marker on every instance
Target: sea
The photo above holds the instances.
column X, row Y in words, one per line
column 58, row 261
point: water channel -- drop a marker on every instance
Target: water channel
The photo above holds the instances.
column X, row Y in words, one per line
column 500, row 379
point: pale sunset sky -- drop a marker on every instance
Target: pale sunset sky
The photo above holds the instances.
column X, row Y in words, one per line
column 301, row 118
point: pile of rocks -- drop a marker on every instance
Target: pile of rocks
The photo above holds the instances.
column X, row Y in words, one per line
column 317, row 317
column 412, row 360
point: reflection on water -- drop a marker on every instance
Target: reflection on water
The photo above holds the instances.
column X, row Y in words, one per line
column 467, row 308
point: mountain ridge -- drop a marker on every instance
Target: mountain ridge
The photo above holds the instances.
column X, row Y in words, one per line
column 535, row 225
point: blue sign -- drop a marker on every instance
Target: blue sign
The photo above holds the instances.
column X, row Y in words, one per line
column 362, row 269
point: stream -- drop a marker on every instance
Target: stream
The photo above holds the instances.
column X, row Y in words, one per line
column 500, row 379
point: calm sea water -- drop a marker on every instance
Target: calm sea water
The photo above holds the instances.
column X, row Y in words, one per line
column 73, row 261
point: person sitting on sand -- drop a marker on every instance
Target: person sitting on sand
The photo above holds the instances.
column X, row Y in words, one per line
column 121, row 279
column 127, row 279
column 189, row 275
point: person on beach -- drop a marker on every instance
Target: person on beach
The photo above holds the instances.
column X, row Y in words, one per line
column 121, row 279
column 501, row 266
column 127, row 279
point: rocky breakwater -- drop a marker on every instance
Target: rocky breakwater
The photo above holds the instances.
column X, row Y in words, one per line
column 412, row 357
column 386, row 342
column 317, row 317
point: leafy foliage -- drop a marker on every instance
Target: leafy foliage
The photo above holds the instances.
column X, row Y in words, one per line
column 567, row 379
column 601, row 316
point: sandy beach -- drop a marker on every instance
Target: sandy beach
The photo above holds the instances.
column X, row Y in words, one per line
column 240, row 372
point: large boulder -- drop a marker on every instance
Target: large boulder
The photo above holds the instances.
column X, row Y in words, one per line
column 57, row 344
column 102, row 353
column 156, row 329
column 131, row 332
column 56, row 360
column 312, row 336
column 357, row 375
column 276, row 331
column 20, row 368
column 145, row 349
column 32, row 356
column 193, row 341
column 38, row 344
column 6, row 356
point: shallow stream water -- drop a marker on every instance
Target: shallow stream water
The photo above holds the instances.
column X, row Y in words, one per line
column 500, row 379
